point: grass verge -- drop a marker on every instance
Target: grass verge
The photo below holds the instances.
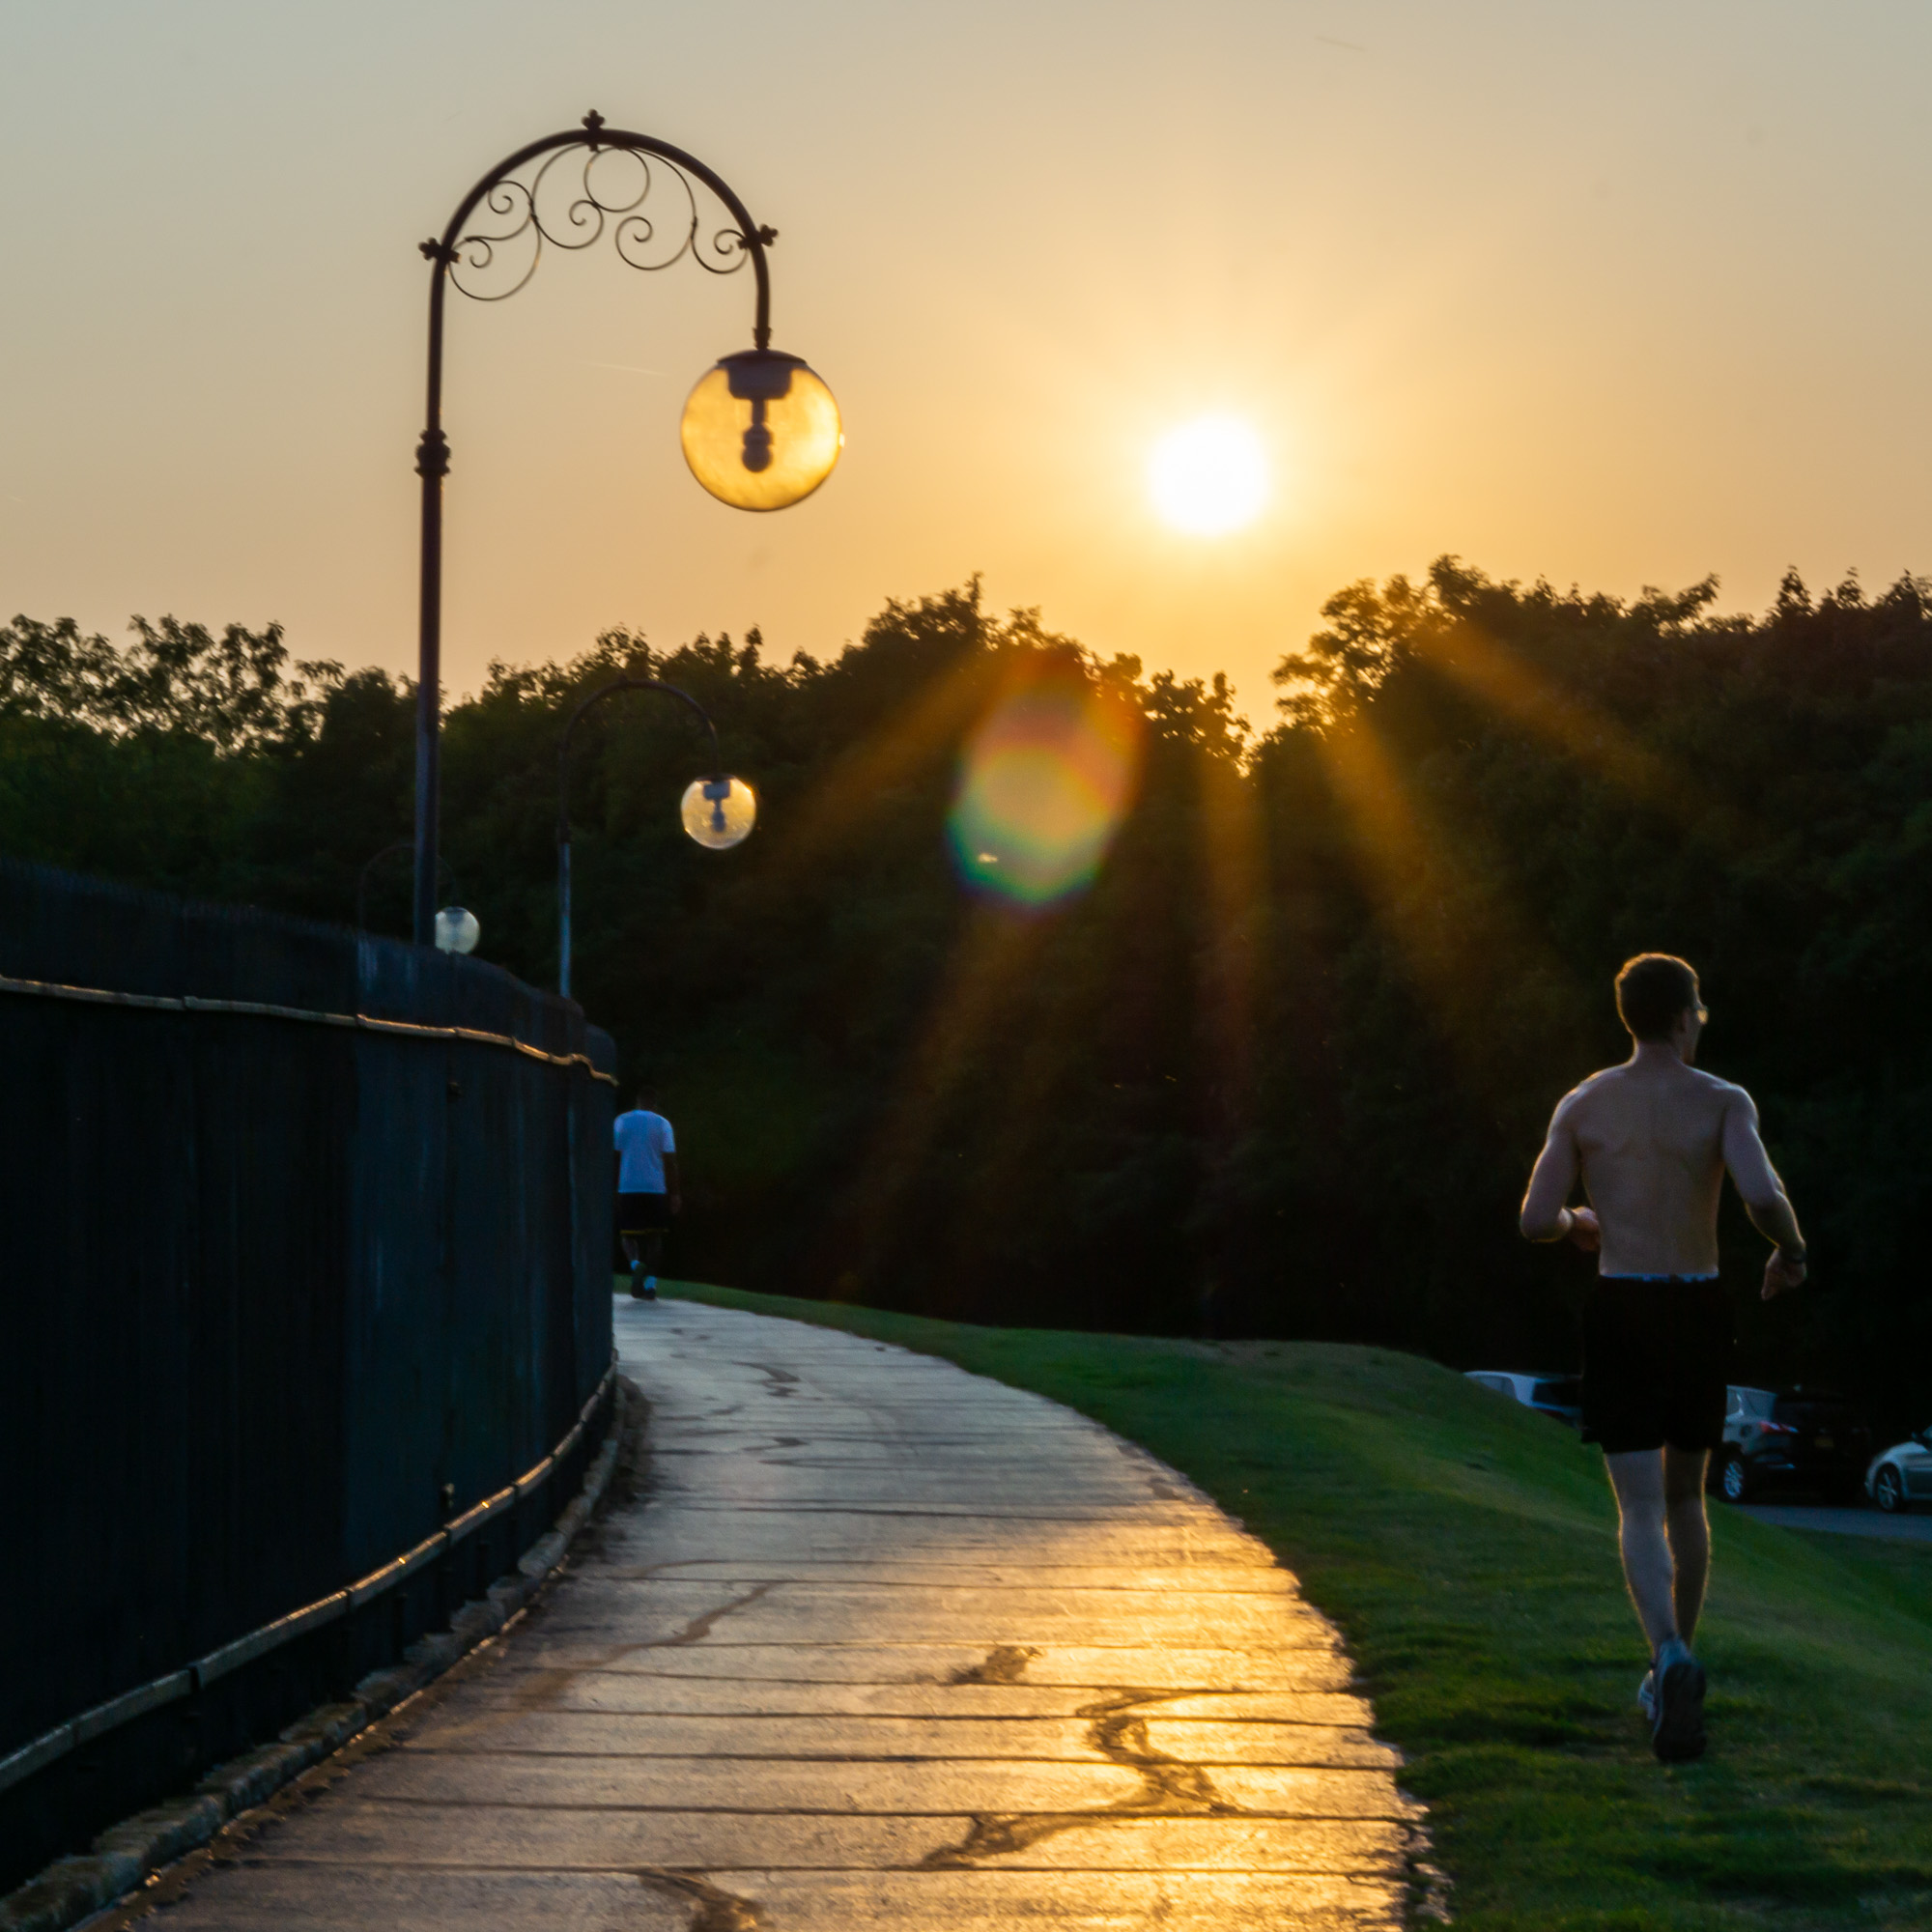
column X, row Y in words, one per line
column 1466, row 1548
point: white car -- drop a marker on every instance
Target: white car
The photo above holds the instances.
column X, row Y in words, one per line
column 1903, row 1474
column 1557, row 1396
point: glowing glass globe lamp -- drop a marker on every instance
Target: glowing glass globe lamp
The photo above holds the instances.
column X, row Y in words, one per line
column 718, row 812
column 760, row 430
column 457, row 931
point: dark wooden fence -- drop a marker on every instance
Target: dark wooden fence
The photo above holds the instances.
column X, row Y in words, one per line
column 305, row 1256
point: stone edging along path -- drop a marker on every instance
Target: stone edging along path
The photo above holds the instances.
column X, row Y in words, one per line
column 884, row 1645
column 125, row 1854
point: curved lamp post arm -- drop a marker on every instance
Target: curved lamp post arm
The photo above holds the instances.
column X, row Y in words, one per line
column 518, row 220
column 627, row 682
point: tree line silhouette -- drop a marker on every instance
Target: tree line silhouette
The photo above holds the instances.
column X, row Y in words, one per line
column 1280, row 1072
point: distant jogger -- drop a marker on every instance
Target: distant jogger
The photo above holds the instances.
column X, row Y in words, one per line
column 647, row 1189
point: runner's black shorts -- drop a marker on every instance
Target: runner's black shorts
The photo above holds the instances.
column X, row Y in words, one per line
column 643, row 1213
column 1656, row 1360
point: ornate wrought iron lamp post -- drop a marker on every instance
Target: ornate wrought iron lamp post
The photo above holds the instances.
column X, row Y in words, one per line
column 760, row 430
column 718, row 811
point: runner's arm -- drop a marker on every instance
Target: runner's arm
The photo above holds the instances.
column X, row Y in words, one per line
column 673, row 1194
column 1544, row 1217
column 1763, row 1195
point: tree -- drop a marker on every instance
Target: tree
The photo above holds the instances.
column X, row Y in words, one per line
column 1281, row 1069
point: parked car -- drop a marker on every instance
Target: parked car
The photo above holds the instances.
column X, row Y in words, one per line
column 1560, row 1397
column 1902, row 1475
column 1791, row 1438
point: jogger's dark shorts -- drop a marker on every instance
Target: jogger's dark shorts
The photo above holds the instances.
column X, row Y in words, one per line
column 1656, row 1360
column 643, row 1213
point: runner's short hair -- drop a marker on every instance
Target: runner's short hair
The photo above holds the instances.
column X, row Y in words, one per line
column 1653, row 989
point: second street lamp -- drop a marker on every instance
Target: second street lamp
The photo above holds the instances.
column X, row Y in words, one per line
column 718, row 811
column 760, row 430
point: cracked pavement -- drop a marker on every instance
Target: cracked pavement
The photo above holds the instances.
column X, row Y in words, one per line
column 880, row 1644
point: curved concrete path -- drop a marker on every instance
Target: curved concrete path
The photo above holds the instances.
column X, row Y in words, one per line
column 886, row 1644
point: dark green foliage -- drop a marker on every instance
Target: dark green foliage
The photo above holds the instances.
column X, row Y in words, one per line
column 1281, row 1072
column 1601, row 780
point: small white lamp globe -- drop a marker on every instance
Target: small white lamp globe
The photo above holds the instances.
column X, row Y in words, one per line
column 718, row 812
column 457, row 931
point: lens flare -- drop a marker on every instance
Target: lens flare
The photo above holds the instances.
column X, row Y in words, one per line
column 1044, row 782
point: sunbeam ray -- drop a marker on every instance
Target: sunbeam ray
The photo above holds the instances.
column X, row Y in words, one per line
column 1469, row 952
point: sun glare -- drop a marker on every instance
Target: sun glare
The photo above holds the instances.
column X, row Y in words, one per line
column 1210, row 477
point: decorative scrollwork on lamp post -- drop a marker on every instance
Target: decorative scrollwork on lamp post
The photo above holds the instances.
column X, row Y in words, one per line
column 605, row 190
column 760, row 430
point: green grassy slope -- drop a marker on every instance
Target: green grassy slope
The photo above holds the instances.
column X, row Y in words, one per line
column 1467, row 1550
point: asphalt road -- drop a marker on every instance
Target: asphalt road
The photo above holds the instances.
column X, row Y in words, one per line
column 1839, row 1520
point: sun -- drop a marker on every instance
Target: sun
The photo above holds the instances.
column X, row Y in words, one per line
column 1209, row 477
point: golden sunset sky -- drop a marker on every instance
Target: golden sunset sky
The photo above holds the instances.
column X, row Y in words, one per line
column 1617, row 294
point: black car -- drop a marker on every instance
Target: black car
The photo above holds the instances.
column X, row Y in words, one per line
column 1791, row 1438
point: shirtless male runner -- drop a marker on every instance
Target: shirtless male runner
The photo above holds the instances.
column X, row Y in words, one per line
column 1651, row 1141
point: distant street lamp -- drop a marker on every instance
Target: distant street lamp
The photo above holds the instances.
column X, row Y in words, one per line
column 718, row 811
column 760, row 430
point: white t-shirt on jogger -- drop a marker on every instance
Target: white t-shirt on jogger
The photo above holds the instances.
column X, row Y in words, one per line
column 643, row 1139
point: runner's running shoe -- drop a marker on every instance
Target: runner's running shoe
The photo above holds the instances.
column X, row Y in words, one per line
column 1646, row 1698
column 1677, row 1733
